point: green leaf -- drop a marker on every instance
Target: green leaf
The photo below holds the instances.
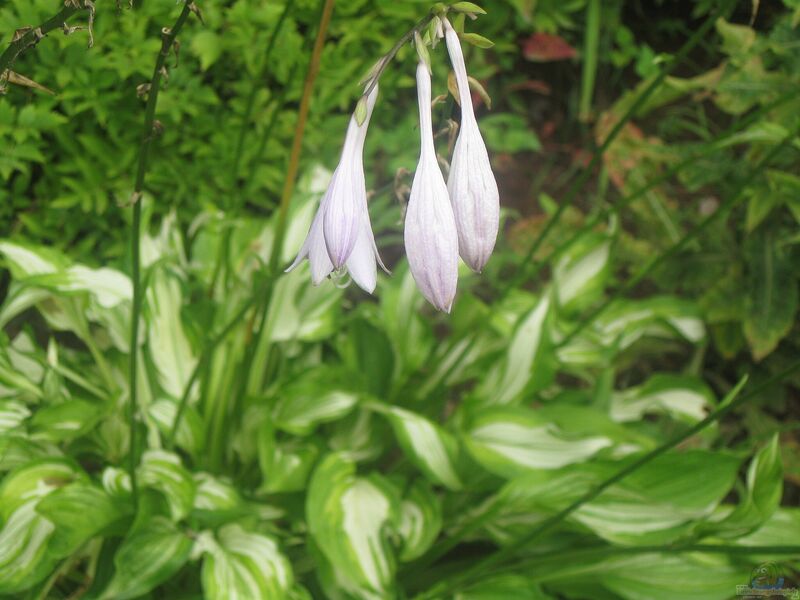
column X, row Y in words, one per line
column 512, row 441
column 347, row 517
column 150, row 555
column 311, row 399
column 79, row 511
column 420, row 521
column 432, row 449
column 164, row 472
column 581, row 274
column 510, row 133
column 241, row 564
column 526, row 365
column 503, row 586
column 772, row 296
column 682, row 397
column 212, row 494
column 477, row 40
column 67, row 420
column 207, row 45
column 467, row 7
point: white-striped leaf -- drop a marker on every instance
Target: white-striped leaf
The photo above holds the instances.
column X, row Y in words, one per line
column 191, row 433
column 214, row 495
column 526, row 363
column 164, row 472
column 12, row 414
column 432, row 449
column 509, row 441
column 240, row 565
column 420, row 520
column 348, row 517
column 682, row 397
column 579, row 276
column 312, row 398
column 146, row 558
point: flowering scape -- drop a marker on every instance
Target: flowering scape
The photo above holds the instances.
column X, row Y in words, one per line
column 443, row 220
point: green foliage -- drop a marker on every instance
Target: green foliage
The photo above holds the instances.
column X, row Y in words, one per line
column 300, row 442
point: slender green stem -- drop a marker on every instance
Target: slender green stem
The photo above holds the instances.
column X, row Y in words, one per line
column 615, row 131
column 167, row 40
column 591, row 42
column 32, row 37
column 729, row 403
column 726, row 206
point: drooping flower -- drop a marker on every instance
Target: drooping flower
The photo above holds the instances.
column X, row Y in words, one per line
column 471, row 183
column 341, row 232
column 430, row 234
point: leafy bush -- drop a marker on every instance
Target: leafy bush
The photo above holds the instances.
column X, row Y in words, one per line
column 559, row 435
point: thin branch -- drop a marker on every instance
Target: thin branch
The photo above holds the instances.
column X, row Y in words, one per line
column 32, row 36
column 168, row 36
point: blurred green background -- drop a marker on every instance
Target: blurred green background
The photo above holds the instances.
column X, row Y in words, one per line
column 576, row 428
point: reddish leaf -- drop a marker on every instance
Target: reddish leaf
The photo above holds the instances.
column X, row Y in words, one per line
column 546, row 47
column 534, row 85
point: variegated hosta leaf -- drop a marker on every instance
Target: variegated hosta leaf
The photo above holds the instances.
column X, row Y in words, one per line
column 348, row 516
column 579, row 276
column 311, row 399
column 432, row 449
column 682, row 397
column 67, row 420
column 25, row 535
column 116, row 482
column 508, row 586
column 172, row 355
column 526, row 363
column 241, row 565
column 420, row 521
column 285, row 466
column 26, row 260
column 150, row 555
column 509, row 442
column 12, row 414
column 214, row 495
column 164, row 472
column 79, row 511
column 191, row 432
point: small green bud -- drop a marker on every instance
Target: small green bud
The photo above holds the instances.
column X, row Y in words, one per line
column 467, row 7
column 361, row 110
column 477, row 40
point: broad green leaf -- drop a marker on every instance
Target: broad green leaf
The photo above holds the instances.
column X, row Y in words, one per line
column 208, row 46
column 212, row 494
column 508, row 586
column 79, row 511
column 164, row 472
column 682, row 397
column 27, row 260
column 191, row 431
column 580, row 275
column 241, row 565
column 432, row 449
column 12, row 414
column 285, row 466
column 67, row 420
column 169, row 348
column 762, row 497
column 312, row 398
column 420, row 521
column 772, row 296
column 25, row 534
column 525, row 364
column 507, row 132
column 347, row 516
column 509, row 442
column 150, row 555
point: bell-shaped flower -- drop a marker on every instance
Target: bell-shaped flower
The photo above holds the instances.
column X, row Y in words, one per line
column 341, row 232
column 471, row 183
column 430, row 234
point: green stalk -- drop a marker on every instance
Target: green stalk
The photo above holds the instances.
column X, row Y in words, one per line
column 167, row 39
column 724, row 208
column 591, row 42
column 30, row 39
column 572, row 193
column 729, row 403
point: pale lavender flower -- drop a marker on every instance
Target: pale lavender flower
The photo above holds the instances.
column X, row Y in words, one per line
column 341, row 233
column 472, row 186
column 430, row 230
